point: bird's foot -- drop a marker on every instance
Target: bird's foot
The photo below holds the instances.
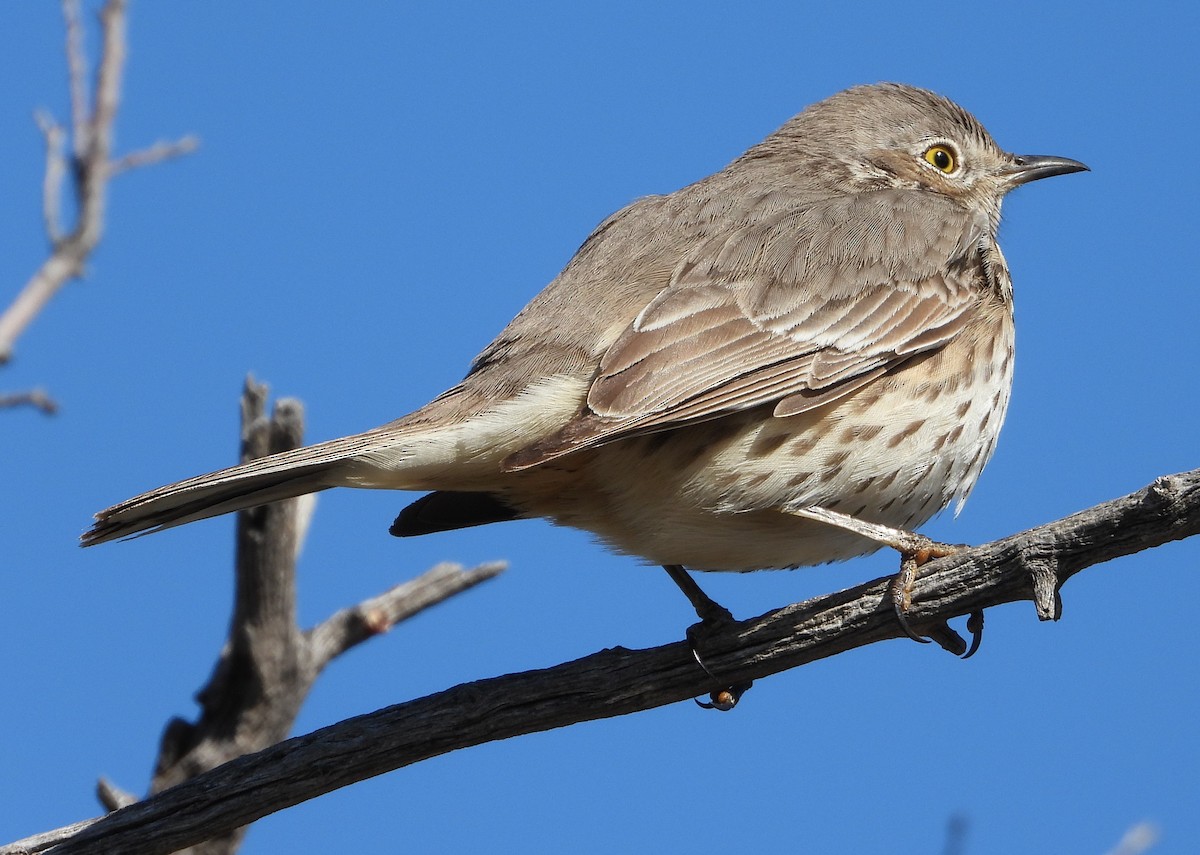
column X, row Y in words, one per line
column 915, row 550
column 713, row 618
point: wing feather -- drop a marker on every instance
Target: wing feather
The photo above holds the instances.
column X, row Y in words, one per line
column 798, row 308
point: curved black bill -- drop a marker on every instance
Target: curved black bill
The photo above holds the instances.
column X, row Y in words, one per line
column 1031, row 167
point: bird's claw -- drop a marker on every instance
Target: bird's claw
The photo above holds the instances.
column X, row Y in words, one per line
column 713, row 617
column 727, row 698
column 919, row 552
column 724, row 700
column 975, row 627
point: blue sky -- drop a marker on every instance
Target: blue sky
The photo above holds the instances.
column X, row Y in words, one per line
column 380, row 188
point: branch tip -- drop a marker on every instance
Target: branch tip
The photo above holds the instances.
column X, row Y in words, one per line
column 156, row 153
column 113, row 797
column 35, row 398
column 91, row 131
column 1046, row 597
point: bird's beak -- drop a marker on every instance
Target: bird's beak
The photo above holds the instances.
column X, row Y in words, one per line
column 1031, row 167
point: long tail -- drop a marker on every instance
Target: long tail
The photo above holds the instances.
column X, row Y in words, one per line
column 268, row 479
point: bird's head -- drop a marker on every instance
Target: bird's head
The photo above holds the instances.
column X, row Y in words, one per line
column 890, row 135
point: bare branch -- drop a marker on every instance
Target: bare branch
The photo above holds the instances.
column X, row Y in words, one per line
column 620, row 681
column 92, row 132
column 156, row 153
column 62, row 266
column 42, row 842
column 112, row 796
column 268, row 666
column 77, row 75
column 262, row 675
column 352, row 626
column 56, row 168
column 92, row 184
column 33, row 398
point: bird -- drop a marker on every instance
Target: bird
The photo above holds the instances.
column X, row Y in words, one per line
column 822, row 331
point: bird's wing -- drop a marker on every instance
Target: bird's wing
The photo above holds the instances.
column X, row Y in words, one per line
column 797, row 308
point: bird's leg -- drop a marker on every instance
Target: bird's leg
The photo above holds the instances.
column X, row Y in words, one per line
column 710, row 612
column 712, row 616
column 915, row 550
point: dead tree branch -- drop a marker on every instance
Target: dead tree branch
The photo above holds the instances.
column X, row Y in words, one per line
column 1031, row 565
column 268, row 665
column 90, row 166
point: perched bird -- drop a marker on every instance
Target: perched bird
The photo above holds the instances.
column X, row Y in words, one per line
column 825, row 325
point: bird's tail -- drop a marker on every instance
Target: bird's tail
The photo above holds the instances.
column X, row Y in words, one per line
column 268, row 479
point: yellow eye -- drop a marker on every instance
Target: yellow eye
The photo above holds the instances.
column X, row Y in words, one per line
column 942, row 158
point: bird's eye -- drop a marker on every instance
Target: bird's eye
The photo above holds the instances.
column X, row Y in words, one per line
column 942, row 158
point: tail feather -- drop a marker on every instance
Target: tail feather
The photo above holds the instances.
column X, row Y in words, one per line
column 268, row 479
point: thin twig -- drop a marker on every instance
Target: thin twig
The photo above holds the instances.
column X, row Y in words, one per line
column 156, row 153
column 350, row 627
column 56, row 168
column 112, row 796
column 92, row 129
column 92, row 185
column 36, row 398
column 77, row 75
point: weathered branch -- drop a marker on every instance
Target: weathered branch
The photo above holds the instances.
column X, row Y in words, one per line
column 91, row 167
column 261, row 678
column 268, row 665
column 1027, row 566
column 350, row 627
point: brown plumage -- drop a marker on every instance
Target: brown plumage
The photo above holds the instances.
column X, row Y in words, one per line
column 826, row 322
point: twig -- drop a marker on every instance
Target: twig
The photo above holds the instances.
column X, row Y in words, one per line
column 350, row 627
column 156, row 153
column 56, row 168
column 91, row 167
column 36, row 398
column 619, row 681
column 76, row 74
column 112, row 796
